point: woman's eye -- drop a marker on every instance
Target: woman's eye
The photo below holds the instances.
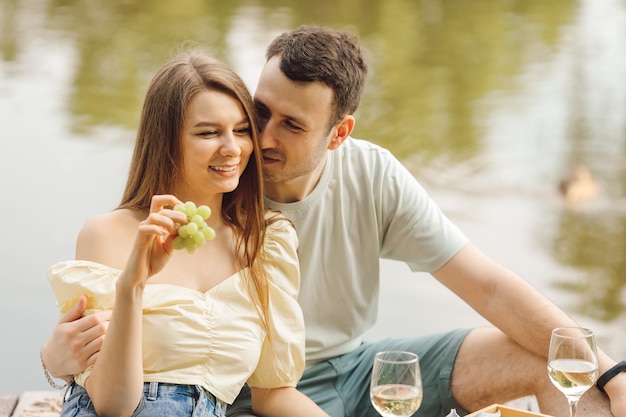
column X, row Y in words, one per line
column 208, row 133
column 243, row 131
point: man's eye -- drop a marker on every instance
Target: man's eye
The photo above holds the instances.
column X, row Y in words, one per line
column 292, row 126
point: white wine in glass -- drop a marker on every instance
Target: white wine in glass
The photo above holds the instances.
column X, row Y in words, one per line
column 396, row 387
column 573, row 362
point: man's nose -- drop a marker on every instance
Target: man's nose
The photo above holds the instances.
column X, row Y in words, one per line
column 266, row 136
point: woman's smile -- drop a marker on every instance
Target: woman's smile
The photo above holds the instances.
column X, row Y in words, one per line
column 224, row 169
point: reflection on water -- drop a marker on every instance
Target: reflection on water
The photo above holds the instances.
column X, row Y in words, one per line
column 596, row 245
column 483, row 99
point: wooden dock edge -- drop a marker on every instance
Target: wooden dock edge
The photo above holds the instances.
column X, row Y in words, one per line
column 31, row 404
column 8, row 402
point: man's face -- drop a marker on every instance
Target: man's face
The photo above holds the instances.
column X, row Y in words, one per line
column 293, row 118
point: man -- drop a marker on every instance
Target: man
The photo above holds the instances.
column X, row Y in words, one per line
column 352, row 203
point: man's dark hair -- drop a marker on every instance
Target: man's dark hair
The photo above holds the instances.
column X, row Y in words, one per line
column 331, row 56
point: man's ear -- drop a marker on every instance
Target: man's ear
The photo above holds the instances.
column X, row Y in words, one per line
column 341, row 131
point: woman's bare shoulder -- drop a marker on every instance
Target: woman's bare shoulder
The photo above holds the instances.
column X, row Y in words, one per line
column 111, row 222
column 107, row 238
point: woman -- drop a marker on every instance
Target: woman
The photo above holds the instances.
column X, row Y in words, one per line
column 188, row 330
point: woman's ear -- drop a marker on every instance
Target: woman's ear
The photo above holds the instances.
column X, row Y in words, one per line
column 341, row 131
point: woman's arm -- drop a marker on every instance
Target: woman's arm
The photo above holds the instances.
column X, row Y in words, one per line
column 284, row 402
column 115, row 384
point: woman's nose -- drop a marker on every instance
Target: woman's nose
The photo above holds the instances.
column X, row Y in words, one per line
column 230, row 145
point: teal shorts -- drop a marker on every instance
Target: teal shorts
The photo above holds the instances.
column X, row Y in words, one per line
column 341, row 385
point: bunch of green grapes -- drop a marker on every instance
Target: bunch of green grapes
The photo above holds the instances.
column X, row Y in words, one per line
column 194, row 234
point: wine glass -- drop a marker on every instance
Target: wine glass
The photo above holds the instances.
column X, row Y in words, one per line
column 396, row 387
column 573, row 362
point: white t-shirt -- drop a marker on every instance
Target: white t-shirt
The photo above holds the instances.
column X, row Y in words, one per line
column 366, row 206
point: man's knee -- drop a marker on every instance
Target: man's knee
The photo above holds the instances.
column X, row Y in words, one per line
column 492, row 368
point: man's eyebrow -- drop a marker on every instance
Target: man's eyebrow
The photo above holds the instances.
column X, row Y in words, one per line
column 259, row 103
column 295, row 119
column 262, row 107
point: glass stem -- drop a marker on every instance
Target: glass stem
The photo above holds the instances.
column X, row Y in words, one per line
column 573, row 404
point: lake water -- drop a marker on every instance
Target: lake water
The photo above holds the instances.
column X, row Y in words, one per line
column 489, row 103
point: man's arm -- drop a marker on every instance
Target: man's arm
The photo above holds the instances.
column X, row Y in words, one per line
column 516, row 308
column 75, row 341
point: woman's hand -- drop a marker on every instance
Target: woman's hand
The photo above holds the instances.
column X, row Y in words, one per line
column 153, row 245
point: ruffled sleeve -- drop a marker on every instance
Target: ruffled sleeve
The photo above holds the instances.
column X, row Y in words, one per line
column 282, row 360
column 71, row 279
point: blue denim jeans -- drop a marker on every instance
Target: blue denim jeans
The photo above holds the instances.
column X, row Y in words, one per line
column 159, row 399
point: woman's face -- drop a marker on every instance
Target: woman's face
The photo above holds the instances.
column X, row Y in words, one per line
column 216, row 144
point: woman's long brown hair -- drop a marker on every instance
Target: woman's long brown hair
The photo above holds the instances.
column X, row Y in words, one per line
column 157, row 156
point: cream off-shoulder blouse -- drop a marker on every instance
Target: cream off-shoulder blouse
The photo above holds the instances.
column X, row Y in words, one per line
column 213, row 339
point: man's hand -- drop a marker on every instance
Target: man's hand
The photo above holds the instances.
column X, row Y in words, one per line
column 616, row 389
column 75, row 341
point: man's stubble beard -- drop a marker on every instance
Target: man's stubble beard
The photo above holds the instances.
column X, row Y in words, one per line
column 287, row 172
